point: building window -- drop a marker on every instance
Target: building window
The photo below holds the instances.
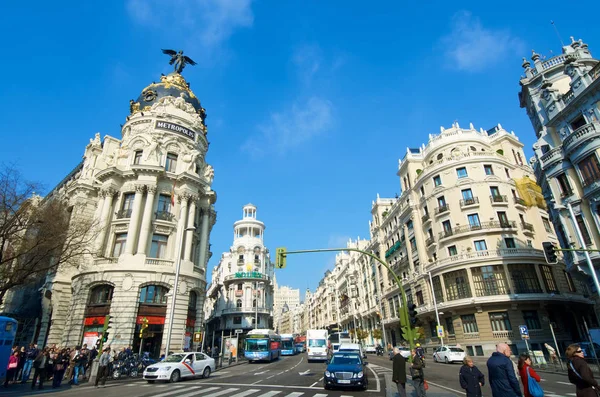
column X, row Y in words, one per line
column 447, row 227
column 548, row 277
column 500, row 321
column 532, row 321
column 569, row 281
column 239, row 287
column 479, row 350
column 490, row 280
column 474, row 221
column 510, row 242
column 137, row 157
column 437, row 180
column 419, row 295
column 158, row 248
column 422, row 191
column 584, row 230
column 461, row 172
column 119, row 248
column 164, row 204
column 238, row 303
column 449, row 326
column 171, row 162
column 101, row 294
column 507, row 172
column 503, row 219
column 494, row 191
column 488, row 169
column 413, row 244
column 469, row 324
column 564, row 185
column 547, row 226
column 578, row 122
column 127, row 204
column 525, row 279
column 457, row 285
column 441, row 202
column 590, row 169
column 467, row 195
column 409, row 225
column 193, row 301
column 237, row 320
column 452, row 250
column 437, row 289
column 154, row 294
column 480, row 245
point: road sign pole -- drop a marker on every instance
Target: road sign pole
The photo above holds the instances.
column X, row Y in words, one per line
column 556, row 346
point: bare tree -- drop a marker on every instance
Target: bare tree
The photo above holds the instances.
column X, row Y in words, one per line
column 37, row 235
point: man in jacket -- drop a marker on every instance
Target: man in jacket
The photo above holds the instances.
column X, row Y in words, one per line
column 501, row 373
column 399, row 372
column 30, row 355
column 417, row 373
column 103, row 363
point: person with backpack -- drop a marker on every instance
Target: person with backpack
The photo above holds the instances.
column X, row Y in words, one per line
column 529, row 377
column 580, row 373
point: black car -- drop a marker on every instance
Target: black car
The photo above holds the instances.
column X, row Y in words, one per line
column 345, row 370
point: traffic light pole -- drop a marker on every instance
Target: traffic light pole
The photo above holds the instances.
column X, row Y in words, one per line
column 402, row 311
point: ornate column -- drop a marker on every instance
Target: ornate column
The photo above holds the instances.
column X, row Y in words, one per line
column 146, row 220
column 181, row 223
column 204, row 218
column 105, row 216
column 189, row 235
column 134, row 222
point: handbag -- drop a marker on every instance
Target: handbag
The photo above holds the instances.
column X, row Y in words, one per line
column 425, row 385
column 12, row 365
column 534, row 388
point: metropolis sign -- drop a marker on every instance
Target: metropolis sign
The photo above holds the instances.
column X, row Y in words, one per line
column 163, row 125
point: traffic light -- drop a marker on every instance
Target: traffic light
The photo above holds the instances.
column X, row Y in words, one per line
column 104, row 337
column 412, row 315
column 550, row 252
column 143, row 327
column 280, row 257
column 108, row 325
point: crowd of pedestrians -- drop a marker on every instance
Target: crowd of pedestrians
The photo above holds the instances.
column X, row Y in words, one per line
column 51, row 363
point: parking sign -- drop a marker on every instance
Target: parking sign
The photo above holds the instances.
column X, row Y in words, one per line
column 524, row 332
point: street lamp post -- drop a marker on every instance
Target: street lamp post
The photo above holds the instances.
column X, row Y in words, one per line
column 175, row 287
column 437, row 314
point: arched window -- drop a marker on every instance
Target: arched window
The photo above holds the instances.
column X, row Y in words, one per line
column 154, row 295
column 101, row 295
column 193, row 301
column 238, row 303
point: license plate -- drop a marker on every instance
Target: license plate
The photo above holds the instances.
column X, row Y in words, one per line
column 344, row 381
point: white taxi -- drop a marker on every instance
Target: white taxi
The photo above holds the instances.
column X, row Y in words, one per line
column 448, row 354
column 180, row 365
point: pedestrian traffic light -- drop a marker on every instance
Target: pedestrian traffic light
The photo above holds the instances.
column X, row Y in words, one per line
column 412, row 314
column 280, row 257
column 143, row 327
column 550, row 252
column 104, row 337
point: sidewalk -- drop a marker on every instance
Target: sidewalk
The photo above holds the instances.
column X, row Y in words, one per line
column 391, row 390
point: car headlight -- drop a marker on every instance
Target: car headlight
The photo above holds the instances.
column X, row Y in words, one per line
column 328, row 374
column 359, row 375
column 165, row 368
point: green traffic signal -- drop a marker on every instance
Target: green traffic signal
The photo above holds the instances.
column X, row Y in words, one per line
column 280, row 257
column 550, row 252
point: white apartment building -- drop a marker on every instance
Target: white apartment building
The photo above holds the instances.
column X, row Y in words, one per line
column 240, row 295
column 149, row 192
column 285, row 300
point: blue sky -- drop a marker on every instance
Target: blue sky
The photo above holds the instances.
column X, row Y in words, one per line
column 310, row 103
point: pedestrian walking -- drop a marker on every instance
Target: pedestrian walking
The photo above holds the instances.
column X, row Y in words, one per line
column 580, row 373
column 471, row 379
column 60, row 366
column 418, row 375
column 103, row 364
column 39, row 369
column 501, row 372
column 30, row 355
column 50, row 365
column 528, row 376
column 19, row 371
column 13, row 363
column 399, row 372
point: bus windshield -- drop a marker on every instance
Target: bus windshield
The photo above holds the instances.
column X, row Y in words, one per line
column 287, row 344
column 257, row 345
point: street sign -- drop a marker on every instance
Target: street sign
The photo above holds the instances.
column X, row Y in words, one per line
column 440, row 331
column 239, row 331
column 524, row 332
column 197, row 336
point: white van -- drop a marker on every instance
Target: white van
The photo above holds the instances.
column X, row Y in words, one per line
column 352, row 348
column 316, row 344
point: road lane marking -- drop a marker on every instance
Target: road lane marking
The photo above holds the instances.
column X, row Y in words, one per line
column 320, row 395
column 260, row 373
column 246, row 392
column 304, row 373
column 564, row 383
column 269, row 394
column 447, row 388
column 197, row 392
column 314, row 384
column 376, row 379
column 178, row 391
column 294, row 394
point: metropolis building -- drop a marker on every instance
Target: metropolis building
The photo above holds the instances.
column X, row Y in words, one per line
column 561, row 96
column 149, row 194
column 240, row 295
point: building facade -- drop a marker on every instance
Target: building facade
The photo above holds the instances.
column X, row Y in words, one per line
column 149, row 195
column 562, row 98
column 240, row 295
column 285, row 301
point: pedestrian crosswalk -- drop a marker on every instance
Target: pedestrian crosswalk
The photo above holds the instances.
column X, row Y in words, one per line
column 190, row 390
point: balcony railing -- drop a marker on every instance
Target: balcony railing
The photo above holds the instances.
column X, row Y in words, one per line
column 503, row 334
column 488, row 254
column 527, row 226
column 469, row 201
column 479, row 226
column 442, row 208
column 159, row 262
column 590, row 179
column 123, row 213
column 471, row 335
column 498, row 198
column 429, row 241
column 580, row 135
column 164, row 216
column 520, row 201
column 425, row 218
column 246, row 309
column 105, row 261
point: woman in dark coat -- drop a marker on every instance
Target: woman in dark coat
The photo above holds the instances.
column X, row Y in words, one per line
column 471, row 378
column 580, row 373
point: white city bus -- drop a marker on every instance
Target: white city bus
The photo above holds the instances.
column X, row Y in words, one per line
column 316, row 344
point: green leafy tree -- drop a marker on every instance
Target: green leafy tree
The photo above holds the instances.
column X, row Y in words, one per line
column 377, row 334
column 361, row 334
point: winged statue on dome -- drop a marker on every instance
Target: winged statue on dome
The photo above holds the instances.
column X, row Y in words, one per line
column 179, row 60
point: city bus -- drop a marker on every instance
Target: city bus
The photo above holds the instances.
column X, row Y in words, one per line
column 262, row 344
column 287, row 345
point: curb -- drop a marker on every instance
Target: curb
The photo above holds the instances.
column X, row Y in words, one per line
column 434, row 390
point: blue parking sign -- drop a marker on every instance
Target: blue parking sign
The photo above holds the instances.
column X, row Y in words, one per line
column 524, row 332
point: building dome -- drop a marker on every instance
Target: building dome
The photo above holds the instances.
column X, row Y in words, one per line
column 173, row 85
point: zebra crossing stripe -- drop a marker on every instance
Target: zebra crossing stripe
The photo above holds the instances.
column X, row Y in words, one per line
column 294, row 394
column 197, row 392
column 246, row 392
column 320, row 395
column 270, row 394
column 178, row 391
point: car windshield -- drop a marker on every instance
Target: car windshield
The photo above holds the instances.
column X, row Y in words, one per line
column 175, row 358
column 317, row 342
column 456, row 349
column 345, row 359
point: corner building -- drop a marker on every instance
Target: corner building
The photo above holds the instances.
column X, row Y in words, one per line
column 149, row 193
column 562, row 98
column 471, row 215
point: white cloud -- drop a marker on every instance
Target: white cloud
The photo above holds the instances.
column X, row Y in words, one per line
column 209, row 22
column 292, row 127
column 472, row 47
